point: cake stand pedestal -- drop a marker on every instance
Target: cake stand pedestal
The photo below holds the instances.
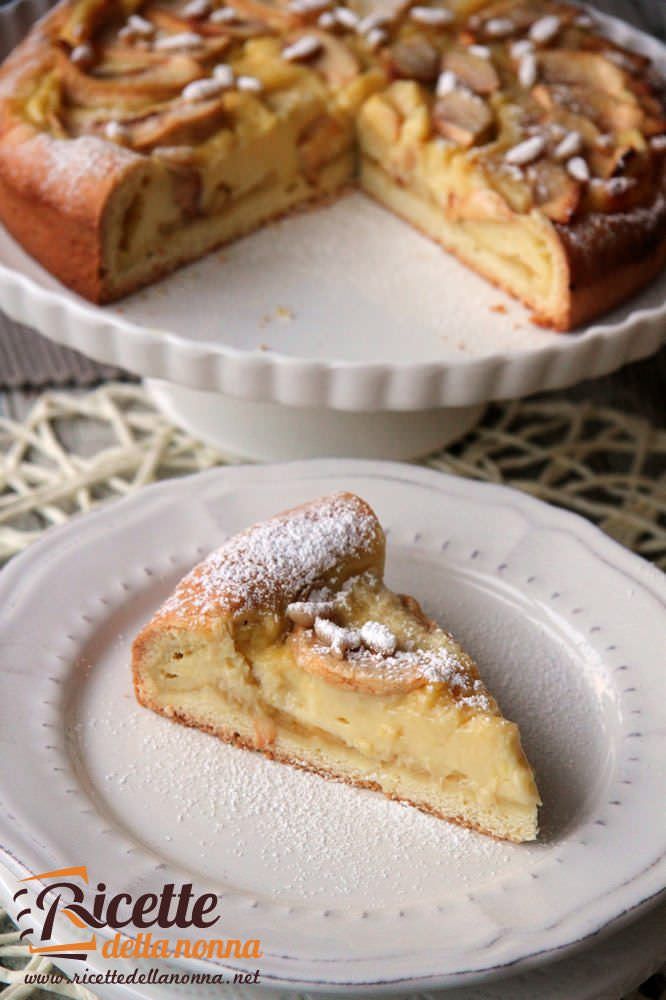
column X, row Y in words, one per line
column 270, row 431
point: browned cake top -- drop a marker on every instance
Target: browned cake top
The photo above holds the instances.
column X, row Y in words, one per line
column 559, row 116
column 263, row 569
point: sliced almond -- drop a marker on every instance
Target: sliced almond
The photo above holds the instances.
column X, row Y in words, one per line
column 464, row 118
column 474, row 71
column 333, row 59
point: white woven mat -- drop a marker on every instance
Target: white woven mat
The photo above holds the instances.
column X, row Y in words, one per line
column 74, row 451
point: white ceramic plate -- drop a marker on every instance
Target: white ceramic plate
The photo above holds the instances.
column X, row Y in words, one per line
column 345, row 308
column 343, row 886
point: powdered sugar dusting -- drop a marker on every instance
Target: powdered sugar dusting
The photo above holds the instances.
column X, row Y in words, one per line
column 236, row 818
column 378, row 638
column 436, row 666
column 280, row 560
column 75, row 166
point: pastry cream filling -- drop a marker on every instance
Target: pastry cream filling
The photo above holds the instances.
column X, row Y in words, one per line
column 397, row 734
column 290, row 144
column 444, row 192
column 145, row 226
column 416, row 730
column 423, row 732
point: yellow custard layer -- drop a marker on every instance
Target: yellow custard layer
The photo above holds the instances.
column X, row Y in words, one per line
column 414, row 739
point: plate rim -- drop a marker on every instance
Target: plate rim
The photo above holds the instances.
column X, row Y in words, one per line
column 540, row 516
column 269, row 376
column 137, row 994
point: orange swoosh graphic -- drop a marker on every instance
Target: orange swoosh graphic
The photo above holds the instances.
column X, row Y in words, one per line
column 81, row 871
column 75, row 946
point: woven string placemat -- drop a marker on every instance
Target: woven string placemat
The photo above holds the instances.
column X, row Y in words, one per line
column 75, row 450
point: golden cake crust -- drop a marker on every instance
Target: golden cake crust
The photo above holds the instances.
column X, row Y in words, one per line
column 52, row 186
column 258, row 572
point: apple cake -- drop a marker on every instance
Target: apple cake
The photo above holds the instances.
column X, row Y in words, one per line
column 136, row 135
column 286, row 641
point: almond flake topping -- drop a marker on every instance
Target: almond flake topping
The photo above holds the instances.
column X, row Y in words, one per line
column 339, row 640
column 223, row 15
column 302, row 49
column 579, row 169
column 434, row 16
column 570, row 146
column 305, row 613
column 526, row 152
column 196, row 8
column 482, row 51
column 528, row 71
column 201, row 90
column 545, row 29
column 346, row 18
column 137, row 27
column 327, row 20
column 658, row 142
column 249, row 84
column 378, row 638
column 82, row 55
column 224, row 74
column 184, row 40
column 499, row 27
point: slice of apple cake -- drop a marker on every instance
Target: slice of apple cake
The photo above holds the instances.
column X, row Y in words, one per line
column 286, row 640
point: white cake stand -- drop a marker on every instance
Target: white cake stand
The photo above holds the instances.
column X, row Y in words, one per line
column 336, row 332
